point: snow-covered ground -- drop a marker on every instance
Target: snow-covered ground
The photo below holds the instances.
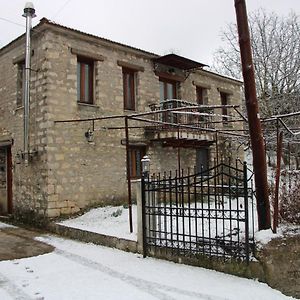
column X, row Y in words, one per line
column 3, row 225
column 85, row 271
column 113, row 221
column 108, row 220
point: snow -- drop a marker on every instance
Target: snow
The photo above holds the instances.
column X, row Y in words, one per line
column 85, row 271
column 265, row 236
column 3, row 225
column 109, row 220
column 113, row 221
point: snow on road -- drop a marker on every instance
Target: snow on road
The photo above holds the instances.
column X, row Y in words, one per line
column 85, row 271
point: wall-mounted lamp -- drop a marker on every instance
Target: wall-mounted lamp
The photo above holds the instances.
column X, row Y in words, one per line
column 18, row 158
column 145, row 165
column 89, row 135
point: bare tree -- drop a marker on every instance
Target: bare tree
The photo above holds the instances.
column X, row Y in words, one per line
column 275, row 44
column 276, row 53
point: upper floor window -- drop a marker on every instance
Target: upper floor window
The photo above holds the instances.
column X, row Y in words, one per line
column 20, row 84
column 202, row 95
column 129, row 84
column 168, row 89
column 85, row 80
column 224, row 101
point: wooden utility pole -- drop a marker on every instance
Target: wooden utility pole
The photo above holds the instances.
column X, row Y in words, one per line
column 255, row 130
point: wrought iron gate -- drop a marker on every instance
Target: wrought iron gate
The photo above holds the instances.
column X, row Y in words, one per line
column 208, row 213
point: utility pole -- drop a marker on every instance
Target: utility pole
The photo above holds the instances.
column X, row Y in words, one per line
column 255, row 130
column 29, row 13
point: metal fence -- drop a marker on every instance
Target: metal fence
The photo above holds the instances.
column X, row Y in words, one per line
column 209, row 213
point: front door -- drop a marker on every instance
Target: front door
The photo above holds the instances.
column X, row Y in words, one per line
column 5, row 180
column 202, row 160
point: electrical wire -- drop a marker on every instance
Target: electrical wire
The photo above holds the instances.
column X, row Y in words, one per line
column 60, row 9
column 12, row 22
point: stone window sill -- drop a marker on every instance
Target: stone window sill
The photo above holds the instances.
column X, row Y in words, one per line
column 81, row 104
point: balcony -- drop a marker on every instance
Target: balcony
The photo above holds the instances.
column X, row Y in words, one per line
column 181, row 123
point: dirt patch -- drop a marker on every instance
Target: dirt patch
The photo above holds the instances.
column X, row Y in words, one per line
column 19, row 243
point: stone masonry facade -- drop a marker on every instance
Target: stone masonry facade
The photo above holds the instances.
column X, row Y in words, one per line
column 65, row 172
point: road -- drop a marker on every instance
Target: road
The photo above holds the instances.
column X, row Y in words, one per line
column 63, row 269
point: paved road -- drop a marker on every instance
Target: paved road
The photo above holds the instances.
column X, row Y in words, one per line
column 79, row 271
column 19, row 243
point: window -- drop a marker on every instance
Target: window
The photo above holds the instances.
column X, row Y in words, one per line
column 202, row 160
column 202, row 97
column 168, row 89
column 224, row 101
column 85, row 80
column 129, row 88
column 20, row 83
column 136, row 153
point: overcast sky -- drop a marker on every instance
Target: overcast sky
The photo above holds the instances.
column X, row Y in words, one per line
column 190, row 28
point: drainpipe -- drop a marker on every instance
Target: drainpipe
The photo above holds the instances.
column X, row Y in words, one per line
column 29, row 13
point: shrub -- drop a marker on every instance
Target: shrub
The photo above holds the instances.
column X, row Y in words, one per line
column 289, row 197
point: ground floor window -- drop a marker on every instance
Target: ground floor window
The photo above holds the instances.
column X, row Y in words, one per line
column 136, row 153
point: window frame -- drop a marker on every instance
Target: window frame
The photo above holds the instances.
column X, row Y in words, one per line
column 165, row 82
column 224, row 101
column 20, row 83
column 82, row 97
column 135, row 165
column 201, row 95
column 129, row 99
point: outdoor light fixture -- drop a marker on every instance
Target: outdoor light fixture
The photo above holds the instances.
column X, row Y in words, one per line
column 145, row 165
column 18, row 158
column 89, row 136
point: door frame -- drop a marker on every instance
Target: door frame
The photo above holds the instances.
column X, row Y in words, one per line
column 9, row 175
column 9, row 180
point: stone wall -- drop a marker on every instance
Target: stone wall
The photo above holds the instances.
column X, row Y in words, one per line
column 29, row 182
column 67, row 173
column 280, row 260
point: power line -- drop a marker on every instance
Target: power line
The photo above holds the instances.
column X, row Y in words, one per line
column 12, row 22
column 61, row 8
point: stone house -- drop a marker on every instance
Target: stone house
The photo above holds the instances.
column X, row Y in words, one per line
column 78, row 76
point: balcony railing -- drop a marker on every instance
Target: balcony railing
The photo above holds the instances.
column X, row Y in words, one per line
column 169, row 111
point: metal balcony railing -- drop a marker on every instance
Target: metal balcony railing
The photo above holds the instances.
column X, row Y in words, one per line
column 170, row 112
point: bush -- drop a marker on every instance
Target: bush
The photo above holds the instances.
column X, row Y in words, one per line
column 289, row 197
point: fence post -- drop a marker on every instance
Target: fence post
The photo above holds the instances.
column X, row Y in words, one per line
column 277, row 181
column 145, row 178
column 143, row 210
column 246, row 211
column 140, row 229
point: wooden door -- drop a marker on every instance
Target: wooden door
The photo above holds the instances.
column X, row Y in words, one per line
column 5, row 180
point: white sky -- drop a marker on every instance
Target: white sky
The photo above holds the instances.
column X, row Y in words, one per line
column 190, row 28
